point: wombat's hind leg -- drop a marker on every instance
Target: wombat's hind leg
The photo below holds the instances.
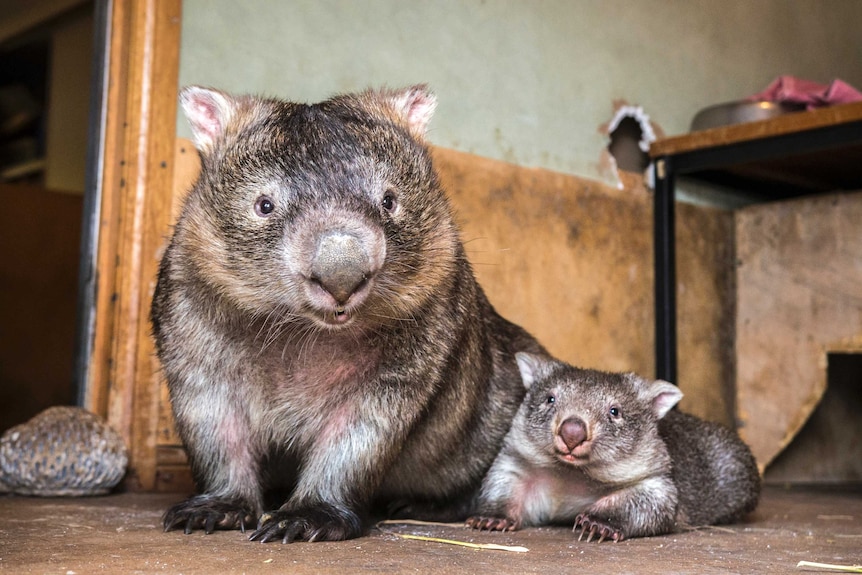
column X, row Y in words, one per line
column 322, row 522
column 209, row 513
column 492, row 523
column 592, row 527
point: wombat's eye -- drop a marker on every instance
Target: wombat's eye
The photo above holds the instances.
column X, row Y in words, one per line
column 389, row 202
column 551, row 400
column 264, row 206
column 615, row 412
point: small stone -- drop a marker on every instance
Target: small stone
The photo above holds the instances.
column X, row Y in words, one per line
column 63, row 451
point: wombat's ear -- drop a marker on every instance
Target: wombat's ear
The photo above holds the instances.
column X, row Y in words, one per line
column 532, row 367
column 209, row 112
column 415, row 105
column 664, row 396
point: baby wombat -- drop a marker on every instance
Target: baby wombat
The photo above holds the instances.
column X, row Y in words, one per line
column 605, row 451
column 320, row 328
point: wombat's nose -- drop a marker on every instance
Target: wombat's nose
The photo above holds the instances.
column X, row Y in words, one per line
column 341, row 265
column 573, row 432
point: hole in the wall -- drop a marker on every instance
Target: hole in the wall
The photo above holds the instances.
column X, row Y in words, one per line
column 625, row 146
column 828, row 448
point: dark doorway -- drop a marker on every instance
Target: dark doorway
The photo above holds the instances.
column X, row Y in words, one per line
column 45, row 70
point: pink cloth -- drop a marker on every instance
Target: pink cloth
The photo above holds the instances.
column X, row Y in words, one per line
column 792, row 90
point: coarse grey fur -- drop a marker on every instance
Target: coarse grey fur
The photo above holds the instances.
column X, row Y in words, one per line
column 319, row 325
column 607, row 452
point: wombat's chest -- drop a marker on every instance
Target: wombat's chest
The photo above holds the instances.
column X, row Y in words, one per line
column 554, row 495
column 310, row 393
column 322, row 366
column 285, row 386
column 296, row 372
column 332, row 370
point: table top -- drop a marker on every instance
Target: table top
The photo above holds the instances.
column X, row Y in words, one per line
column 826, row 155
column 788, row 123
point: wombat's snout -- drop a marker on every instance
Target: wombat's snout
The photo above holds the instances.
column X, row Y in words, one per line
column 573, row 432
column 341, row 265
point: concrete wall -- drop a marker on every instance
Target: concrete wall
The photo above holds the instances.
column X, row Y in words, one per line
column 528, row 82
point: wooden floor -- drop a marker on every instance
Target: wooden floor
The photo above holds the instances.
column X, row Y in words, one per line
column 122, row 534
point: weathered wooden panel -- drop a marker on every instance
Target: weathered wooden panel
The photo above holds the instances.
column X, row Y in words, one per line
column 706, row 298
column 571, row 260
column 799, row 297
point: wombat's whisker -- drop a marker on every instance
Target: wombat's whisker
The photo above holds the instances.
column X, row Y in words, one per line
column 272, row 323
column 275, row 323
column 471, row 240
column 307, row 337
column 393, row 317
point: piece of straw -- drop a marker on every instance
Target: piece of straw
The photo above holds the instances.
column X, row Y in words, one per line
column 842, row 568
column 489, row 546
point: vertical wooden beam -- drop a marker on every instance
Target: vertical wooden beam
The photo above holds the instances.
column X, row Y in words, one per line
column 137, row 176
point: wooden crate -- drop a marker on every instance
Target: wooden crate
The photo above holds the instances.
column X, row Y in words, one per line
column 799, row 274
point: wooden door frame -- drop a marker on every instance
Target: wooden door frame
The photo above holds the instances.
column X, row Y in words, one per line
column 130, row 178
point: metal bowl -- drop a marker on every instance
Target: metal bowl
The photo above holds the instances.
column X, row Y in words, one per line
column 740, row 112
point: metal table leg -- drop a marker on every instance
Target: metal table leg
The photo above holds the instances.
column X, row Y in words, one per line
column 665, row 271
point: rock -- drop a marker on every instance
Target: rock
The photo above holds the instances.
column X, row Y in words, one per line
column 63, row 451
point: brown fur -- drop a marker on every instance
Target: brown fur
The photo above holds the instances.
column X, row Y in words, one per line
column 320, row 327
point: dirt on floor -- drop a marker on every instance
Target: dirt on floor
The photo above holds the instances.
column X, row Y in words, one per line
column 122, row 534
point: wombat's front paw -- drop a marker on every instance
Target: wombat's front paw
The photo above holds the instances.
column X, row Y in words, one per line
column 592, row 527
column 492, row 523
column 319, row 523
column 208, row 513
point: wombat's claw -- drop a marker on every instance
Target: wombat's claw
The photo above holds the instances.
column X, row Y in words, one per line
column 319, row 523
column 287, row 530
column 492, row 523
column 591, row 528
column 208, row 513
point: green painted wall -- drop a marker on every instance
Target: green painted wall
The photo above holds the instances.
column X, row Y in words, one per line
column 524, row 81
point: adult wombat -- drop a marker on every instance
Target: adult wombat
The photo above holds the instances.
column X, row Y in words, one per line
column 319, row 325
column 606, row 452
